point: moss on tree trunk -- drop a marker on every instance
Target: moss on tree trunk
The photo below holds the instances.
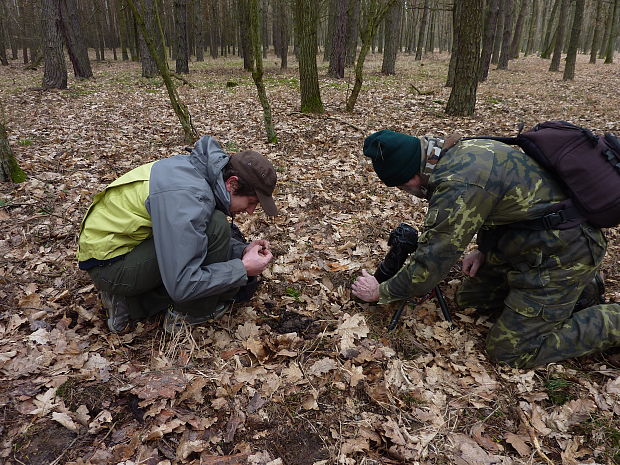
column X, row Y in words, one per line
column 9, row 169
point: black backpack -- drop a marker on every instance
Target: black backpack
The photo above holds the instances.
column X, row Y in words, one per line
column 586, row 165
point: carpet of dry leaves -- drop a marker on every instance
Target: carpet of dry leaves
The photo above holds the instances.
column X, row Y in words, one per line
column 303, row 374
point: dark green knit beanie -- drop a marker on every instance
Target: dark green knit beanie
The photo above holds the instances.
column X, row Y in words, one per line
column 395, row 156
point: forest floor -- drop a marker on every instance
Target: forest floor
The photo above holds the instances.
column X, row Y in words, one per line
column 303, row 374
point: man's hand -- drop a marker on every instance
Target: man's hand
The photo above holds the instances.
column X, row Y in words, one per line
column 263, row 246
column 256, row 257
column 366, row 287
column 472, row 263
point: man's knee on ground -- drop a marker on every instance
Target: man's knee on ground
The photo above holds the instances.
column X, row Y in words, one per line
column 512, row 357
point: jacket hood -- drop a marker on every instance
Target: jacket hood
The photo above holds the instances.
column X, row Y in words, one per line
column 209, row 160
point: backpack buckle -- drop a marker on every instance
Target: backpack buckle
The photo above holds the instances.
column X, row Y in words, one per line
column 553, row 220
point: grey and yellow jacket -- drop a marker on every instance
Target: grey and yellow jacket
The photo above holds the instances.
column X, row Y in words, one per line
column 476, row 184
column 171, row 200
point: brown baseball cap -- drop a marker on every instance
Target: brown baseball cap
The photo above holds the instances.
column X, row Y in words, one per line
column 258, row 172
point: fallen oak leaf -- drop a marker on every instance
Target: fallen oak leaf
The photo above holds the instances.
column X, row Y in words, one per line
column 518, row 443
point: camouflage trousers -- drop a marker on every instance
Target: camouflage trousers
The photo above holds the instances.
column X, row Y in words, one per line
column 533, row 279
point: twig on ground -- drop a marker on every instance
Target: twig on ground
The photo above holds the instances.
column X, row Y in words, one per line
column 532, row 434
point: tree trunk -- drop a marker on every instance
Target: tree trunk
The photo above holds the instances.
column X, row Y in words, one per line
column 497, row 38
column 338, row 40
column 307, row 17
column 122, row 28
column 596, row 37
column 180, row 27
column 280, row 31
column 332, row 7
column 74, row 39
column 504, row 56
column 516, row 38
column 177, row 105
column 257, row 68
column 547, row 46
column 559, row 38
column 199, row 30
column 462, row 101
column 392, row 38
column 571, row 56
column 456, row 24
column 353, row 30
column 244, row 24
column 149, row 65
column 613, row 33
column 422, row 31
column 9, row 168
column 3, row 59
column 214, row 23
column 55, row 71
column 376, row 11
column 490, row 27
column 529, row 48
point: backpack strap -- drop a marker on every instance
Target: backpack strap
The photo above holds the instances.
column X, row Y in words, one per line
column 504, row 140
column 566, row 218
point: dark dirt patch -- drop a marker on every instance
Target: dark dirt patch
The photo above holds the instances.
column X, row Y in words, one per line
column 75, row 393
column 297, row 446
column 291, row 322
column 43, row 443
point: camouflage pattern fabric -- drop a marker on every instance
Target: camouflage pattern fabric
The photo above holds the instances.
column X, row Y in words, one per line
column 533, row 277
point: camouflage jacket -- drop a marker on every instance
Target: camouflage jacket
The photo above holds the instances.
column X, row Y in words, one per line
column 476, row 184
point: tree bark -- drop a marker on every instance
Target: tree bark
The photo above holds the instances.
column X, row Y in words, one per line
column 244, row 24
column 74, row 39
column 613, row 33
column 392, row 38
column 462, row 101
column 571, row 55
column 504, row 56
column 280, row 31
column 3, row 59
column 353, row 30
column 596, row 37
column 529, row 48
column 307, row 17
column 182, row 49
column 497, row 38
column 257, row 69
column 456, row 25
column 547, row 45
column 214, row 24
column 338, row 40
column 559, row 38
column 149, row 66
column 55, row 70
column 516, row 37
column 490, row 27
column 422, row 31
column 199, row 30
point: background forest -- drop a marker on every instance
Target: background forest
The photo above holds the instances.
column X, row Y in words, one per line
column 303, row 374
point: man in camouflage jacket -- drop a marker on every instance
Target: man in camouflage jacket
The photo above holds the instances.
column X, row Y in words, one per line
column 531, row 276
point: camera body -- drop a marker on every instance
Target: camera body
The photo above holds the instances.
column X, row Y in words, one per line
column 402, row 242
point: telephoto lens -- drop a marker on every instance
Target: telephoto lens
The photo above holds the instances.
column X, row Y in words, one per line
column 403, row 241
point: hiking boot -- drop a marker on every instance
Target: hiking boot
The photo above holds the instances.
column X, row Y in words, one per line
column 175, row 321
column 592, row 294
column 117, row 311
